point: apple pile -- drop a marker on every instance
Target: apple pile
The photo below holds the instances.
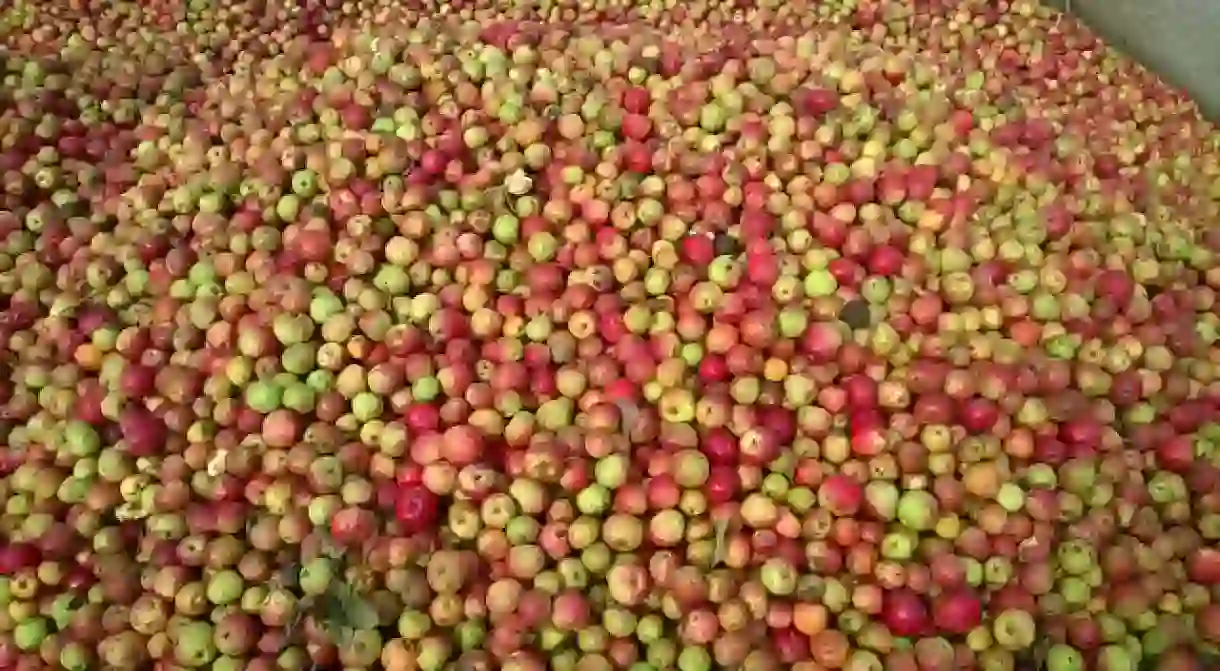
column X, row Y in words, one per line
column 590, row 335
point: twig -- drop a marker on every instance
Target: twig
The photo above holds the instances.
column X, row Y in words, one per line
column 1067, row 9
column 296, row 622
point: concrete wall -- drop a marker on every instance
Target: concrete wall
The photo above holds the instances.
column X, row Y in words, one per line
column 1178, row 39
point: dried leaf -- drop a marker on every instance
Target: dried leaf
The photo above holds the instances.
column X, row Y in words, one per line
column 722, row 532
column 1027, row 545
column 216, row 465
column 499, row 198
column 518, row 183
column 630, row 413
column 130, row 511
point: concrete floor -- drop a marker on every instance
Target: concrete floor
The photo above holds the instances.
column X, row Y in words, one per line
column 1177, row 39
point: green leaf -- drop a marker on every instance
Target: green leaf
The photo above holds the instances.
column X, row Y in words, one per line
column 361, row 614
column 343, row 609
column 332, row 610
column 1041, row 649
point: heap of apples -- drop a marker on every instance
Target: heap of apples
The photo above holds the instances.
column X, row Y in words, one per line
column 589, row 335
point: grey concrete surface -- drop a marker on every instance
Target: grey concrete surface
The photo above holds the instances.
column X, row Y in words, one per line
column 1177, row 39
